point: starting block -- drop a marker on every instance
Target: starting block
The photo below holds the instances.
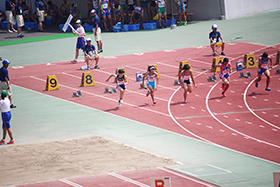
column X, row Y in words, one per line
column 145, row 87
column 52, row 83
column 214, row 78
column 210, row 79
column 245, row 76
column 277, row 71
column 75, row 94
column 107, row 90
column 249, row 75
column 114, row 90
column 78, row 94
column 176, row 83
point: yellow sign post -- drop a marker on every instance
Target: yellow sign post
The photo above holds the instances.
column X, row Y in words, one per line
column 52, row 83
column 216, row 61
column 182, row 64
column 87, row 79
column 117, row 72
column 249, row 61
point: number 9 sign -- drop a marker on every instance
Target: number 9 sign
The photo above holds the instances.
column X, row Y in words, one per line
column 52, row 83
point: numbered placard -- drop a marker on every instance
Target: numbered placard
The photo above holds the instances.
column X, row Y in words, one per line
column 87, row 79
column 52, row 83
column 117, row 72
column 216, row 61
column 156, row 69
column 182, row 64
column 277, row 58
column 249, row 61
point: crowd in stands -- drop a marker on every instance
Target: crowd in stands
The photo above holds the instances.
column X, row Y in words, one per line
column 109, row 11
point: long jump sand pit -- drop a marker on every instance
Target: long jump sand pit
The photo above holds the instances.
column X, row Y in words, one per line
column 30, row 163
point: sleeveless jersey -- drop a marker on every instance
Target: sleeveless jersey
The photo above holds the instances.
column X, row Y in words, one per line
column 104, row 4
column 264, row 63
column 120, row 80
column 151, row 78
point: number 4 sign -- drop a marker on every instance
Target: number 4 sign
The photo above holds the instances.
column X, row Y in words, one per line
column 52, row 83
column 249, row 61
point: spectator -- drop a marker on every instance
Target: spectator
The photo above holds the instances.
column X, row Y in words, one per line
column 96, row 7
column 90, row 54
column 124, row 9
column 181, row 11
column 153, row 7
column 27, row 13
column 131, row 6
column 19, row 18
column 9, row 14
column 137, row 13
column 106, row 12
column 214, row 37
column 65, row 8
column 6, row 117
column 144, row 5
column 97, row 30
column 5, row 81
column 90, row 6
column 40, row 9
column 75, row 12
column 118, row 12
column 162, row 5
column 80, row 31
column 53, row 11
column 185, row 10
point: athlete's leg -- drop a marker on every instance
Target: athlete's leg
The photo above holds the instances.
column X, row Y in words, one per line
column 267, row 74
column 226, row 83
column 184, row 86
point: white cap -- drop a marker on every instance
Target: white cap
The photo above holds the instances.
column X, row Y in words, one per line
column 214, row 26
column 88, row 39
column 92, row 11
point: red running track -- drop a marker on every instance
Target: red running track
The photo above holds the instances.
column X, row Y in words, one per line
column 247, row 120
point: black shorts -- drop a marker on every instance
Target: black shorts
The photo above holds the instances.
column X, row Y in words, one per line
column 153, row 3
column 187, row 81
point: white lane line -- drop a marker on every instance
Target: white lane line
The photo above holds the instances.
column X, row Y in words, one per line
column 128, row 179
column 234, row 130
column 109, row 85
column 96, row 95
column 70, row 183
column 172, row 117
column 276, row 116
column 168, row 65
column 186, row 177
column 222, row 130
column 246, row 104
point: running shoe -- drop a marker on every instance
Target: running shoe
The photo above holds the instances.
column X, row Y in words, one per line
column 214, row 54
column 120, row 102
column 2, row 141
column 267, row 89
column 256, row 84
column 11, row 142
column 74, row 61
column 20, row 36
column 96, row 67
column 14, row 30
column 88, row 68
column 222, row 53
column 9, row 31
column 223, row 93
column 185, row 23
column 185, row 101
column 100, row 51
column 148, row 93
column 154, row 102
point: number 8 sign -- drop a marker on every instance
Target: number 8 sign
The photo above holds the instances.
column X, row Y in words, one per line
column 87, row 79
column 52, row 83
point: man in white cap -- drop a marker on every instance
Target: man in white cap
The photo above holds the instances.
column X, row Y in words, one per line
column 97, row 30
column 214, row 37
column 90, row 54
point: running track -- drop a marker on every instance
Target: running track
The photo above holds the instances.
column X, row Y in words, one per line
column 247, row 120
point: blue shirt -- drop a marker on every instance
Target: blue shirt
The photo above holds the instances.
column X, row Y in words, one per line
column 96, row 21
column 18, row 9
column 9, row 5
column 215, row 36
column 89, row 49
column 40, row 5
column 4, row 73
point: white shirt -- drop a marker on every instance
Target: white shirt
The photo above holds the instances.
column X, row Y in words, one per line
column 80, row 30
column 5, row 105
